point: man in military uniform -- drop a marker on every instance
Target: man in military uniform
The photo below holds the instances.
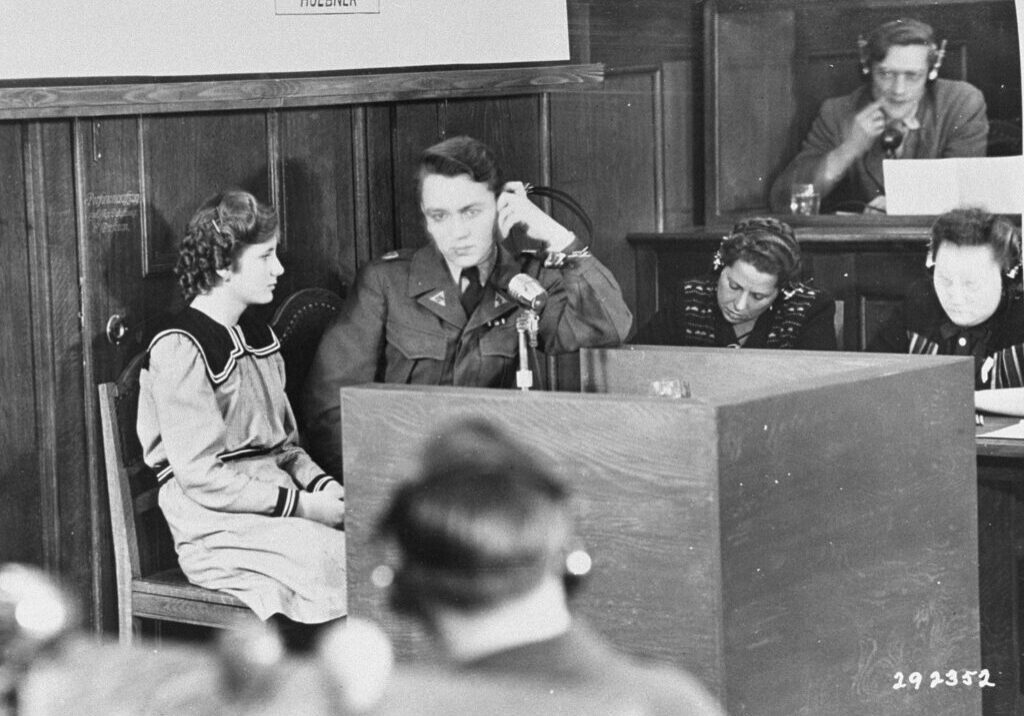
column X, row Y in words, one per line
column 442, row 314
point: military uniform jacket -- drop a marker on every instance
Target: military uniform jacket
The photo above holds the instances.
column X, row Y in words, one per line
column 404, row 323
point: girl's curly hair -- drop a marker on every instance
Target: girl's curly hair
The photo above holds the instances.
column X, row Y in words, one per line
column 217, row 233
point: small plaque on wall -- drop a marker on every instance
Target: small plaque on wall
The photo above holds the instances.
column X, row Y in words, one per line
column 112, row 214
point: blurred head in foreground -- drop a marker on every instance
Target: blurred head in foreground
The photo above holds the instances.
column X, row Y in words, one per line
column 483, row 525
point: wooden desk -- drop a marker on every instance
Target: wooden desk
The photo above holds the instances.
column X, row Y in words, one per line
column 998, row 447
column 788, row 542
column 1000, row 565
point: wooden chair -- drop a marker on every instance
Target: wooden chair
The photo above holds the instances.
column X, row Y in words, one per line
column 150, row 585
column 299, row 322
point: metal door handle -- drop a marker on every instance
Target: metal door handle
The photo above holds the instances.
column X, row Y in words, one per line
column 117, row 329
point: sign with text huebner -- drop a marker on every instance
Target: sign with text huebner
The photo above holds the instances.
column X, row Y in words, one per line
column 327, row 7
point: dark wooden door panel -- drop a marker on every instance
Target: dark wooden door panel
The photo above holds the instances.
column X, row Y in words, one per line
column 20, row 518
column 510, row 125
column 415, row 126
column 318, row 166
column 603, row 153
column 873, row 313
column 187, row 158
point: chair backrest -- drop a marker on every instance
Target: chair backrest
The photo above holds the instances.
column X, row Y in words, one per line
column 141, row 538
column 299, row 323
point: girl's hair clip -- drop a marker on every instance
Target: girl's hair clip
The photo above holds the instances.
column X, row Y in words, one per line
column 216, row 226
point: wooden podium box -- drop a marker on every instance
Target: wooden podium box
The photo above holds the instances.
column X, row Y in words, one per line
column 799, row 533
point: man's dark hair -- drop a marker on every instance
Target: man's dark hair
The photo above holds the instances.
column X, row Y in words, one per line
column 461, row 155
column 904, row 31
column 482, row 523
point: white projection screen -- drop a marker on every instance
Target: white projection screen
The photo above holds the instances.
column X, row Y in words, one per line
column 186, row 38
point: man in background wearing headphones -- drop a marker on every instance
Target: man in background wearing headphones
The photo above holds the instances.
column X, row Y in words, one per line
column 486, row 561
column 903, row 110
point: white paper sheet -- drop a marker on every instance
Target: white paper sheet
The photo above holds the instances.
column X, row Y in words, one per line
column 1014, row 431
column 934, row 186
column 98, row 38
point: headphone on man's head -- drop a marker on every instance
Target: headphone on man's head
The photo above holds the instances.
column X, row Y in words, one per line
column 938, row 52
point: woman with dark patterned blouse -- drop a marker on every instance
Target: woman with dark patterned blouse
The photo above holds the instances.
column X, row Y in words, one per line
column 972, row 305
column 753, row 298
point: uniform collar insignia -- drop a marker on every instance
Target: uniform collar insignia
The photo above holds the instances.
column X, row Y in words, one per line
column 438, row 298
column 499, row 300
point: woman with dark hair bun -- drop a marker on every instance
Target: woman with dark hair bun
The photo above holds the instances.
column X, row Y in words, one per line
column 250, row 512
column 971, row 305
column 753, row 298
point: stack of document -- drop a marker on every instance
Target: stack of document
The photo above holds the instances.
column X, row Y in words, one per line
column 934, row 186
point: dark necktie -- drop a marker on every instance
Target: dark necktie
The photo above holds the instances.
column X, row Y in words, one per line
column 474, row 291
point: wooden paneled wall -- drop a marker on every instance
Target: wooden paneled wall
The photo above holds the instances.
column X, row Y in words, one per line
column 91, row 208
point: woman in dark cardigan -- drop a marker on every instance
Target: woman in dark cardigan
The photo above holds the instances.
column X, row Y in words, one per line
column 753, row 298
column 971, row 305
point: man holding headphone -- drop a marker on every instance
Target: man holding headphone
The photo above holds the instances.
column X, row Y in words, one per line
column 446, row 313
column 902, row 110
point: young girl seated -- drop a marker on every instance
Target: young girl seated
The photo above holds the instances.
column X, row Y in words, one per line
column 250, row 512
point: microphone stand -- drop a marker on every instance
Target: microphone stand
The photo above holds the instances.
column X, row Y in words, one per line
column 527, row 323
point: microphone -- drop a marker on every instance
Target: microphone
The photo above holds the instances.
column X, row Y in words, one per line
column 527, row 291
column 892, row 138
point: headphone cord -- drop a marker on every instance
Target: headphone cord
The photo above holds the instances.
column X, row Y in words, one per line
column 566, row 200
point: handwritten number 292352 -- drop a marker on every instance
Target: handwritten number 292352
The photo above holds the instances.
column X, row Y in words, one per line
column 954, row 677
